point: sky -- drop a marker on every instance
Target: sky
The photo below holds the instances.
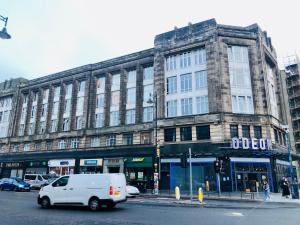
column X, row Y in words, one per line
column 50, row 36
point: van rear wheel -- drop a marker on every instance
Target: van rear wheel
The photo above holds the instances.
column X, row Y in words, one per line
column 94, row 204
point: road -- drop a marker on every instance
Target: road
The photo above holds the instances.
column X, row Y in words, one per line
column 18, row 208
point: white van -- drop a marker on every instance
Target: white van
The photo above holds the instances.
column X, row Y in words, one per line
column 92, row 190
column 35, row 180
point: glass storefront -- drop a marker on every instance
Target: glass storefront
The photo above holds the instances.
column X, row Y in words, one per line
column 61, row 167
column 90, row 166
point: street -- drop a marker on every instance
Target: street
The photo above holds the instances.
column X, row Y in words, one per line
column 19, row 208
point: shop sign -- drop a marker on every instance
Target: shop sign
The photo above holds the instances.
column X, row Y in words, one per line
column 251, row 143
column 91, row 162
column 61, row 163
column 36, row 164
column 13, row 165
column 139, row 159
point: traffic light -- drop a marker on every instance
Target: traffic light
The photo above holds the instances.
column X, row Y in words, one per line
column 217, row 166
column 183, row 161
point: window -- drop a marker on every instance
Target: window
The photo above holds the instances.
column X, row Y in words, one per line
column 67, row 106
column 100, row 101
column 33, row 112
column 81, row 86
column 42, row 127
column 146, row 138
column 130, row 116
column 21, row 129
column 31, row 128
column 35, row 96
column 55, row 109
column 148, row 73
column 78, row 122
column 62, row 144
column 128, row 139
column 16, row 147
column 171, row 63
column 234, row 131
column 66, row 124
column 186, row 82
column 44, row 110
column 61, row 182
column 148, row 114
column 56, row 92
column 257, row 132
column 203, row 132
column 172, row 108
column 201, row 79
column 26, row 147
column 242, row 104
column 49, row 145
column 131, row 80
column 95, row 142
column 53, row 125
column 276, row 135
column 186, row 106
column 185, row 60
column 200, row 57
column 38, row 146
column 131, row 95
column 25, row 98
column 69, row 89
column 6, row 116
column 170, row 134
column 80, row 106
column 115, row 83
column 45, row 94
column 100, row 83
column 171, row 85
column 148, row 92
column 115, row 98
column 246, row 131
column 23, row 114
column 185, row 133
column 75, row 143
column 99, row 120
column 111, row 140
column 202, row 104
column 114, row 118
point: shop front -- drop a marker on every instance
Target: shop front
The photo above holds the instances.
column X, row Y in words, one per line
column 61, row 166
column 36, row 167
column 113, row 165
column 13, row 169
column 91, row 166
column 139, row 172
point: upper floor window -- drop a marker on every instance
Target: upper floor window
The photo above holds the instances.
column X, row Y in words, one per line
column 69, row 89
column 131, row 80
column 201, row 79
column 115, row 98
column 80, row 105
column 185, row 133
column 257, row 132
column 45, row 94
column 56, row 92
column 203, row 132
column 95, row 142
column 172, row 108
column 26, row 147
column 114, row 118
column 25, row 98
column 200, row 57
column 185, row 60
column 55, row 109
column 148, row 92
column 100, row 101
column 33, row 112
column 66, row 124
column 44, row 110
column 186, row 106
column 35, row 96
column 171, row 85
column 111, row 140
column 148, row 73
column 170, row 134
column 128, row 139
column 234, row 131
column 171, row 62
column 62, row 144
column 148, row 114
column 131, row 95
column 81, row 86
column 78, row 122
column 246, row 131
column 99, row 120
column 115, row 83
column 67, row 106
column 242, row 104
column 130, row 116
column 202, row 104
column 186, row 82
column 53, row 125
column 146, row 138
column 75, row 143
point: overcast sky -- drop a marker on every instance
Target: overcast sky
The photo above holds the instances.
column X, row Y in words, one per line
column 49, row 36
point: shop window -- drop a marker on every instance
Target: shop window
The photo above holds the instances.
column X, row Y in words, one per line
column 185, row 133
column 257, row 132
column 246, row 131
column 234, row 131
column 128, row 139
column 203, row 132
column 111, row 140
column 170, row 134
column 146, row 138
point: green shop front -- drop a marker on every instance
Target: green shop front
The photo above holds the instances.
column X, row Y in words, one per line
column 139, row 172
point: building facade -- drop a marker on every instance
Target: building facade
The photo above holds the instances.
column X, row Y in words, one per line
column 216, row 89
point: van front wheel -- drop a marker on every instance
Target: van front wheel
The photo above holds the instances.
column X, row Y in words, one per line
column 94, row 204
column 45, row 203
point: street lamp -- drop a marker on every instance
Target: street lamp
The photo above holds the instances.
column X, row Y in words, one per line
column 3, row 32
column 156, row 175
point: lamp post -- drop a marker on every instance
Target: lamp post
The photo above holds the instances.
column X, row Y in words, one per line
column 3, row 32
column 156, row 175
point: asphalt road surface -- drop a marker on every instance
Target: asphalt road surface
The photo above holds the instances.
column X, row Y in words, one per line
column 18, row 208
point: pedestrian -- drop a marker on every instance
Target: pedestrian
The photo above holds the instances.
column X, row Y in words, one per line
column 285, row 188
column 266, row 189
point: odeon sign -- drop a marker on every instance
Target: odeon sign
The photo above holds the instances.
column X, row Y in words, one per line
column 253, row 143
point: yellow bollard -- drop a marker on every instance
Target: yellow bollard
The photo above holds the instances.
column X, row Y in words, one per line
column 177, row 193
column 200, row 195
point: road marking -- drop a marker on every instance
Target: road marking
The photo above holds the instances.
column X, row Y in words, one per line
column 236, row 214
